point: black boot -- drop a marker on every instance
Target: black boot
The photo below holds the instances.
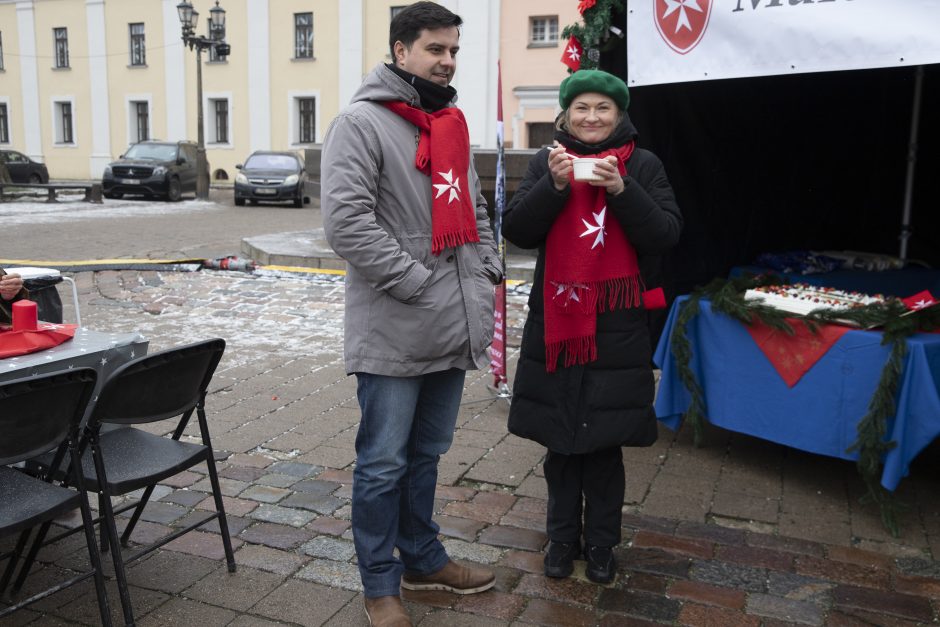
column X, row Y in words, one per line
column 601, row 565
column 559, row 558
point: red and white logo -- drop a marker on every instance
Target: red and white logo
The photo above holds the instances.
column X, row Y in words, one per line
column 681, row 23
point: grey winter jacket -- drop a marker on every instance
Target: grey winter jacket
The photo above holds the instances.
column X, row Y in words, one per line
column 408, row 312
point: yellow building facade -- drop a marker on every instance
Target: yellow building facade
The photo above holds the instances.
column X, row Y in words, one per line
column 81, row 80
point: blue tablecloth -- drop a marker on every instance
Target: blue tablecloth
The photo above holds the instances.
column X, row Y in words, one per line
column 820, row 414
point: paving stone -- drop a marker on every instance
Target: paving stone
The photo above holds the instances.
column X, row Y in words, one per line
column 919, row 567
column 320, row 503
column 277, row 480
column 715, row 533
column 329, row 548
column 918, row 586
column 481, row 554
column 652, row 606
column 179, row 611
column 683, row 546
column 264, row 494
column 248, row 474
column 551, row 613
column 645, row 582
column 275, row 536
column 461, row 528
column 184, row 498
column 706, row 616
column 326, row 525
column 707, row 594
column 202, row 544
column 291, row 602
column 860, row 557
column 656, row 561
column 233, row 506
column 789, row 610
column 729, row 575
column 649, row 523
column 332, row 573
column 296, row 469
column 759, row 557
column 513, row 538
column 228, row 487
column 493, row 604
column 883, row 602
column 153, row 572
column 569, row 590
column 793, row 545
column 162, row 513
column 282, row 515
column 524, row 561
column 337, row 476
column 799, row 587
column 854, row 618
column 842, row 572
column 454, row 493
column 271, row 560
column 84, row 609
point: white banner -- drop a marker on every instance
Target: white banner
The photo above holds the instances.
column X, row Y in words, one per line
column 670, row 41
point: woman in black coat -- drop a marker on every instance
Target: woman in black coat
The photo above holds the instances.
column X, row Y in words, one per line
column 584, row 383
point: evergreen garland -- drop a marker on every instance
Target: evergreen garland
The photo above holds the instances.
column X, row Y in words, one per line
column 594, row 33
column 727, row 297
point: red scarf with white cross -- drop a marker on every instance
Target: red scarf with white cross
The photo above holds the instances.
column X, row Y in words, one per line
column 590, row 267
column 444, row 154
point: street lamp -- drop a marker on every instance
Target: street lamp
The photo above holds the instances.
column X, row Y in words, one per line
column 189, row 17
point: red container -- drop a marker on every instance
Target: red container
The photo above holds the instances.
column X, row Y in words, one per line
column 25, row 316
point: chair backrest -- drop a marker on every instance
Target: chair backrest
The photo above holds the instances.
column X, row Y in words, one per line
column 158, row 386
column 36, row 413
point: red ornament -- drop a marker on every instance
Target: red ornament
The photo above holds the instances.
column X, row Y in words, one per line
column 584, row 5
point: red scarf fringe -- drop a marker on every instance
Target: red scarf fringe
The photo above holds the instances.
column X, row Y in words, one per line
column 452, row 240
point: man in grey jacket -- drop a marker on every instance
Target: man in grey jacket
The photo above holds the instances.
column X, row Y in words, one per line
column 402, row 205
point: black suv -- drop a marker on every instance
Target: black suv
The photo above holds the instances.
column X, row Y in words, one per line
column 152, row 168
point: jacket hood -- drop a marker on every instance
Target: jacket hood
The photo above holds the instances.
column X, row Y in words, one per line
column 382, row 84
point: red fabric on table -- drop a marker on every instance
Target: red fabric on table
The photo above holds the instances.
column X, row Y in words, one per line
column 15, row 343
column 793, row 355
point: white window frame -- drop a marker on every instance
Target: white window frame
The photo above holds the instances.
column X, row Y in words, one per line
column 130, row 45
column 208, row 107
column 130, row 106
column 5, row 101
column 293, row 128
column 546, row 40
column 55, row 49
column 57, row 102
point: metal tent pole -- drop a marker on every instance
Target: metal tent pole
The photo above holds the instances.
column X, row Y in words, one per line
column 911, row 163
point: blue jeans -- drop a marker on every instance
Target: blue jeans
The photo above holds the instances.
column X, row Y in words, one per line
column 407, row 424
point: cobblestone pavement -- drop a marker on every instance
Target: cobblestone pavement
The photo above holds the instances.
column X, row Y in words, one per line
column 738, row 532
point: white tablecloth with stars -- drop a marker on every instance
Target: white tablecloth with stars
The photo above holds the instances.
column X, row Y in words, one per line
column 104, row 352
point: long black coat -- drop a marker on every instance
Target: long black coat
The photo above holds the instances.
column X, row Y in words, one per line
column 607, row 402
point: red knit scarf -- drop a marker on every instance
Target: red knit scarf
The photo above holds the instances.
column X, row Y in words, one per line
column 590, row 267
column 444, row 154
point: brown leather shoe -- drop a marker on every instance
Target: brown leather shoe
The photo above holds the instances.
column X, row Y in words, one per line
column 453, row 577
column 386, row 611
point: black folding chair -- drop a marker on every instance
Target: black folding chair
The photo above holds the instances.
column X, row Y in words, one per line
column 160, row 386
column 37, row 415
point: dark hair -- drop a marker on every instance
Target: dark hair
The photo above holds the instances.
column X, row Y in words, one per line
column 406, row 27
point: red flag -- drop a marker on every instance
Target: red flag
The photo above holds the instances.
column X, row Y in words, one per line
column 920, row 300
column 572, row 55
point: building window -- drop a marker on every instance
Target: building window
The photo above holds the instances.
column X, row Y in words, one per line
column 220, row 108
column 138, row 44
column 141, row 113
column 63, row 123
column 543, row 30
column 541, row 134
column 303, row 35
column 307, row 120
column 1, row 51
column 4, row 124
column 61, row 47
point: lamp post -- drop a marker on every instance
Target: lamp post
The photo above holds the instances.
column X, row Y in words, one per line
column 189, row 17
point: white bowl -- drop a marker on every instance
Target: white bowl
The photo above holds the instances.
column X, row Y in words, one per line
column 584, row 169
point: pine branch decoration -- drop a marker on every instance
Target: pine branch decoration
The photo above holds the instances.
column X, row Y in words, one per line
column 594, row 32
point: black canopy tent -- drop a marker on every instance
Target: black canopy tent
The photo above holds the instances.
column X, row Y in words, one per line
column 815, row 161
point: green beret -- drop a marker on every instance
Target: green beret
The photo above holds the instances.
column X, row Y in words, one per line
column 595, row 81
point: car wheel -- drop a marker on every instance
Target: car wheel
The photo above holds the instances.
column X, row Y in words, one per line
column 174, row 190
column 239, row 202
column 299, row 202
column 35, row 178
